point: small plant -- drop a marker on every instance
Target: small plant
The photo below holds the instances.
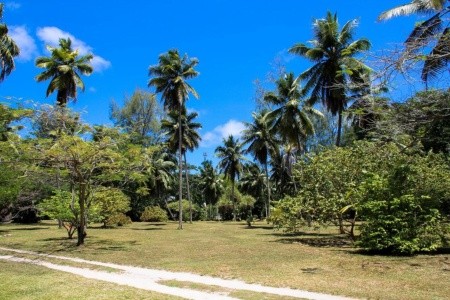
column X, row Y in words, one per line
column 154, row 214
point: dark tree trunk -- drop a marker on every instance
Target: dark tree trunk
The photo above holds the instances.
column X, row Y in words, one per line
column 268, row 192
column 232, row 200
column 82, row 225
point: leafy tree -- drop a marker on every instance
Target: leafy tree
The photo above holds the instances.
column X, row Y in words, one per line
column 139, row 116
column 62, row 206
column 8, row 49
column 190, row 139
column 63, row 68
column 233, row 205
column 253, row 182
column 260, row 137
column 9, row 116
column 333, row 53
column 231, row 158
column 170, row 79
column 431, row 30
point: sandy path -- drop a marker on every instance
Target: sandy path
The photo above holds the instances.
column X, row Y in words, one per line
column 148, row 279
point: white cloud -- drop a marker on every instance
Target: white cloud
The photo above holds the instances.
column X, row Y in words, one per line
column 215, row 137
column 25, row 42
column 51, row 35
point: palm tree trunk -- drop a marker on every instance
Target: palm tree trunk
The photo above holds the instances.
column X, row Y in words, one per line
column 187, row 188
column 232, row 200
column 180, row 173
column 268, row 192
column 338, row 138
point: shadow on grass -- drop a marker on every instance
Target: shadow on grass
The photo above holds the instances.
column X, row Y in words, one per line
column 30, row 228
column 364, row 252
column 64, row 244
column 267, row 227
column 150, row 229
column 336, row 241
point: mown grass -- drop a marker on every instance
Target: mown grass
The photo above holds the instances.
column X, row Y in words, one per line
column 318, row 261
column 30, row 282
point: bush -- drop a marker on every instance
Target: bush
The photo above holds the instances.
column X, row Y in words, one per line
column 154, row 214
column 118, row 220
column 185, row 207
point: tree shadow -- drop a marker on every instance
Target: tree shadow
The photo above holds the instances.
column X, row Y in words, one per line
column 148, row 229
column 268, row 227
column 320, row 241
column 30, row 228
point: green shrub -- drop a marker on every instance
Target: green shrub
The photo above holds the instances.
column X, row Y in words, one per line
column 118, row 220
column 154, row 214
column 185, row 207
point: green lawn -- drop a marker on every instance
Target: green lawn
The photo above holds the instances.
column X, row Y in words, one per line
column 317, row 261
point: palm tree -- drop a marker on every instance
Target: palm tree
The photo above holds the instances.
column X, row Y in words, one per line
column 262, row 143
column 231, row 158
column 170, row 79
column 63, row 68
column 8, row 49
column 291, row 120
column 190, row 139
column 432, row 29
column 333, row 53
column 210, row 183
column 253, row 182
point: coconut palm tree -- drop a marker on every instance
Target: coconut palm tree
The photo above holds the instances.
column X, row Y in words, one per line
column 190, row 139
column 169, row 78
column 210, row 183
column 63, row 68
column 8, row 49
column 333, row 53
column 432, row 29
column 260, row 137
column 292, row 120
column 231, row 157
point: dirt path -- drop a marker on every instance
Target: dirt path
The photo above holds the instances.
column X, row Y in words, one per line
column 148, row 279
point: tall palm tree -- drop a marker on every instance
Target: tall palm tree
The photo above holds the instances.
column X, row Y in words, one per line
column 292, row 120
column 231, row 157
column 432, row 29
column 169, row 77
column 210, row 183
column 63, row 68
column 190, row 139
column 8, row 49
column 333, row 53
column 260, row 137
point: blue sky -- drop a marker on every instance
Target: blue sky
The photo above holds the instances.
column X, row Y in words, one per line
column 236, row 42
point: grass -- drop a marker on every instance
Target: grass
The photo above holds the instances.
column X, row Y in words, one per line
column 30, row 282
column 318, row 261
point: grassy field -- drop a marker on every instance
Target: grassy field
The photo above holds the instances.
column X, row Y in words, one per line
column 318, row 261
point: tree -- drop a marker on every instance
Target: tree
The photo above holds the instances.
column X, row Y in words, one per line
column 292, row 122
column 333, row 53
column 253, row 182
column 190, row 139
column 63, row 68
column 109, row 203
column 231, row 158
column 170, row 79
column 8, row 49
column 432, row 29
column 139, row 116
column 211, row 184
column 260, row 136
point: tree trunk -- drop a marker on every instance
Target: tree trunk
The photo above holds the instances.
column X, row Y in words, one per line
column 338, row 138
column 81, row 226
column 187, row 188
column 232, row 200
column 180, row 170
column 268, row 192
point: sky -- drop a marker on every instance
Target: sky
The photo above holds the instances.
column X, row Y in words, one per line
column 235, row 41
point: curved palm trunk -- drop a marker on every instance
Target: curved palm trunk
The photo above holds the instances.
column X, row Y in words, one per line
column 187, row 188
column 81, row 230
column 180, row 173
column 268, row 192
